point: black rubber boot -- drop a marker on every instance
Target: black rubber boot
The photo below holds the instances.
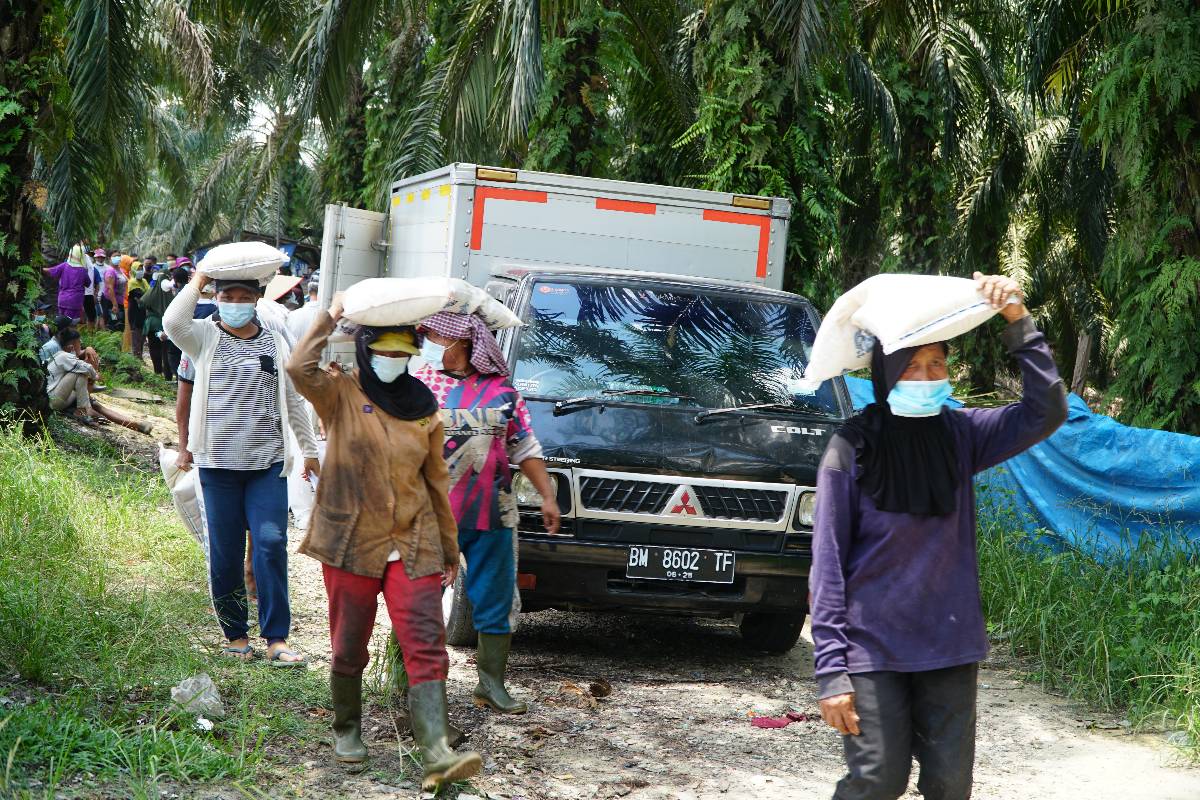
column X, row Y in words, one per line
column 492, row 660
column 346, row 690
column 427, row 712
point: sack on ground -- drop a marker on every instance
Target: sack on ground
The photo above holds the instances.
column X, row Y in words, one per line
column 900, row 311
column 383, row 302
column 247, row 261
column 184, row 488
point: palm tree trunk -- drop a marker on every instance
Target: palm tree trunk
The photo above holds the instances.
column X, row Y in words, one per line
column 1082, row 353
column 24, row 78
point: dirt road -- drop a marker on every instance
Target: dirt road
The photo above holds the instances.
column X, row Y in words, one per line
column 677, row 721
column 677, row 724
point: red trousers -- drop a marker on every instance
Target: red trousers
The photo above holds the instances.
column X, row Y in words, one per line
column 415, row 607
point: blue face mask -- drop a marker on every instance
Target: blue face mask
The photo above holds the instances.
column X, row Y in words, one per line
column 388, row 368
column 919, row 398
column 432, row 352
column 236, row 315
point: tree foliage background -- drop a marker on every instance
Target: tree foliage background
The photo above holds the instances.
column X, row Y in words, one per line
column 1053, row 140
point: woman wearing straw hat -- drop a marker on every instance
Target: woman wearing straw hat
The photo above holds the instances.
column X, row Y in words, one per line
column 382, row 524
column 897, row 623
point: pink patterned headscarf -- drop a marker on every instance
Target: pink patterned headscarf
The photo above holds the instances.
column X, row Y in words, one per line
column 486, row 357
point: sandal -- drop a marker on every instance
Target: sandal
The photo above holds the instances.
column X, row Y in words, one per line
column 244, row 653
column 276, row 661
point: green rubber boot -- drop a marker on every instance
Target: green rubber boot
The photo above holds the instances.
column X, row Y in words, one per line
column 346, row 690
column 492, row 660
column 427, row 712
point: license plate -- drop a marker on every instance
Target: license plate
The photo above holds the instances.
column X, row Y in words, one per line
column 680, row 564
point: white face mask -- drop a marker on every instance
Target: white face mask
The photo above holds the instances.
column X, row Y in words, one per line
column 114, row 260
column 388, row 368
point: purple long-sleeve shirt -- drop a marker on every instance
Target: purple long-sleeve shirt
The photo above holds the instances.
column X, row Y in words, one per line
column 71, row 284
column 900, row 592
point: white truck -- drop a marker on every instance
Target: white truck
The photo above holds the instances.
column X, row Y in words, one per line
column 660, row 360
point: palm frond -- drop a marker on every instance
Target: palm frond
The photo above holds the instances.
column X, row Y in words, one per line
column 187, row 48
column 875, row 100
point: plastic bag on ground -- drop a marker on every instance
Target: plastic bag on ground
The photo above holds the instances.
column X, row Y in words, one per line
column 185, row 490
column 900, row 311
column 198, row 695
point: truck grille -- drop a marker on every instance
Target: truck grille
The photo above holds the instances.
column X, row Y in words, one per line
column 757, row 505
column 626, row 496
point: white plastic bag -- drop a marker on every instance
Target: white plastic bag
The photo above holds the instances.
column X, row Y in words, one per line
column 302, row 495
column 256, row 261
column 383, row 302
column 900, row 311
column 185, row 490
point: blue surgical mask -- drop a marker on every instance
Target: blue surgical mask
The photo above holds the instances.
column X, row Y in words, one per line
column 139, row 273
column 235, row 315
column 432, row 352
column 388, row 368
column 919, row 398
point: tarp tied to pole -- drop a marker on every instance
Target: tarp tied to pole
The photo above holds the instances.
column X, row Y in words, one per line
column 1095, row 482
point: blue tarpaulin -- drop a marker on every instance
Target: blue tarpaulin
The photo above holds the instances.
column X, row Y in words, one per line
column 1095, row 482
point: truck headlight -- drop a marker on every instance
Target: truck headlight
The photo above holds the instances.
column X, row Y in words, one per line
column 804, row 509
column 526, row 494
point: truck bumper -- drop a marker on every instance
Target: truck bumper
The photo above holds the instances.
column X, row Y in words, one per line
column 574, row 575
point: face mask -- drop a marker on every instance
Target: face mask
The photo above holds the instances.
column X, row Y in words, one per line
column 39, row 318
column 388, row 368
column 235, row 315
column 139, row 273
column 919, row 398
column 432, row 352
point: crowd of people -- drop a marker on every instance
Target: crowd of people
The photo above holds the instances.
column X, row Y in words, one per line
column 415, row 474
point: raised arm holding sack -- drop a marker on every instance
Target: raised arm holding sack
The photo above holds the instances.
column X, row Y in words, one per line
column 897, row 621
column 382, row 524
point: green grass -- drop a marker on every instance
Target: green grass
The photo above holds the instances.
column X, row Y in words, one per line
column 123, row 369
column 1121, row 634
column 104, row 607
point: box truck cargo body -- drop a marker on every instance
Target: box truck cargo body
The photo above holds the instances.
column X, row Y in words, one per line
column 660, row 361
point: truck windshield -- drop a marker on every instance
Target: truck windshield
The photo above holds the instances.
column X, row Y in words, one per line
column 697, row 349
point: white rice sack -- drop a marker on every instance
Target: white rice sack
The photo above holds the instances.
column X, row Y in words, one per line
column 184, row 488
column 466, row 298
column 900, row 311
column 344, row 332
column 256, row 261
column 383, row 302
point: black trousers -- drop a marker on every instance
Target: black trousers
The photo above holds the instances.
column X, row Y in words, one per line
column 902, row 715
column 158, row 355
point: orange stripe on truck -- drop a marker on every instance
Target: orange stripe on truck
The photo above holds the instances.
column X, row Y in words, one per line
column 740, row 218
column 485, row 193
column 608, row 204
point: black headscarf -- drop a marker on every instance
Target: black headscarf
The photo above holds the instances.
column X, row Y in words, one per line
column 907, row 465
column 404, row 398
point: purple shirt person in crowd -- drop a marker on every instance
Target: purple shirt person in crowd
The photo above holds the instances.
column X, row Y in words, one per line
column 73, row 278
column 897, row 621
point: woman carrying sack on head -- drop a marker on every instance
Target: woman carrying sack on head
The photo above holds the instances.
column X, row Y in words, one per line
column 242, row 402
column 489, row 428
column 382, row 523
column 897, row 622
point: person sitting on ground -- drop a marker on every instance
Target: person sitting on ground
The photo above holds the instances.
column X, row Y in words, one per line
column 70, row 382
column 41, row 328
column 897, row 623
column 388, row 528
column 241, row 405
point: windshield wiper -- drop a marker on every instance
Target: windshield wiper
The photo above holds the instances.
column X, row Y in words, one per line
column 712, row 412
column 580, row 403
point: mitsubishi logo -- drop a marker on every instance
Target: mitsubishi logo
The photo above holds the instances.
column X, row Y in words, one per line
column 685, row 504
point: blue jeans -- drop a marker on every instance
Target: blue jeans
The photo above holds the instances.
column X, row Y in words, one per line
column 236, row 501
column 491, row 576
